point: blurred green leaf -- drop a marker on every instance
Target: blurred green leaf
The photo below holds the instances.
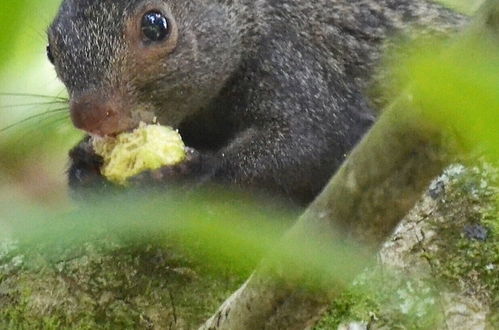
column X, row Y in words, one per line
column 456, row 86
column 220, row 229
column 465, row 6
column 12, row 19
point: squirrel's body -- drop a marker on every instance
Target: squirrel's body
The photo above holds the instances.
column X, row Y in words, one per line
column 272, row 94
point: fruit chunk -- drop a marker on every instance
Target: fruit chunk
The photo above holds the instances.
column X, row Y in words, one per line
column 148, row 147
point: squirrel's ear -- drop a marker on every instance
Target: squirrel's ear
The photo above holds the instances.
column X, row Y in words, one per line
column 151, row 31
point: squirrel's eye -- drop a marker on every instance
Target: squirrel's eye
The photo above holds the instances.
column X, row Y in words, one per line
column 155, row 26
column 49, row 55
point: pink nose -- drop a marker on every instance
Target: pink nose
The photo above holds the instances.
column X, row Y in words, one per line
column 98, row 115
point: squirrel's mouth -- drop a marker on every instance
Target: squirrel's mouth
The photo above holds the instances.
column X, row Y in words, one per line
column 112, row 128
column 102, row 114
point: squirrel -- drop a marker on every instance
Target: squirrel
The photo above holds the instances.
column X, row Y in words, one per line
column 268, row 95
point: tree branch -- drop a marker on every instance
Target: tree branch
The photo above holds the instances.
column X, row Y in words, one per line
column 377, row 185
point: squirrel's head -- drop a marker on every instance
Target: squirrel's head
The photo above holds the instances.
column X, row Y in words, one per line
column 129, row 61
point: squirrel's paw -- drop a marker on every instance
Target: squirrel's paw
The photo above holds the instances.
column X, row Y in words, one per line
column 84, row 170
column 180, row 174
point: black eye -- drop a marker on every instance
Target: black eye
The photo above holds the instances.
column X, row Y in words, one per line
column 155, row 26
column 49, row 55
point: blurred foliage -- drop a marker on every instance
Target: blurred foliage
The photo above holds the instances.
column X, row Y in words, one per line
column 464, row 6
column 456, row 86
column 34, row 147
column 9, row 16
column 22, row 34
column 222, row 229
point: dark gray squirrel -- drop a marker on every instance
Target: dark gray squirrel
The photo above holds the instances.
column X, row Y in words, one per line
column 268, row 94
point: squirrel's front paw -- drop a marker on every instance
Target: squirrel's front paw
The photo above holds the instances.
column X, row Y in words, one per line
column 180, row 174
column 84, row 171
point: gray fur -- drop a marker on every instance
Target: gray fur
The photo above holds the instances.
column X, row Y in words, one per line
column 272, row 92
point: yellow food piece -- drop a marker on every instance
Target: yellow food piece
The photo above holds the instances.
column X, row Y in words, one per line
column 148, row 147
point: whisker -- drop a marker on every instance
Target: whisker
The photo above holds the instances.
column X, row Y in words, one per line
column 38, row 115
column 46, row 123
column 40, row 129
column 35, row 95
column 32, row 104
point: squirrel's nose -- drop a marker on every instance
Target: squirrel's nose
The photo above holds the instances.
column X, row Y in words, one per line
column 99, row 115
